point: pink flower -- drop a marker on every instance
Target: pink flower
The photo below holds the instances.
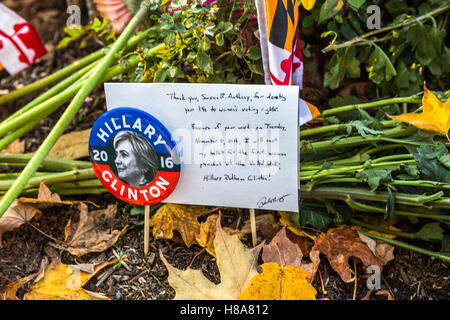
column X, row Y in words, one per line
column 114, row 10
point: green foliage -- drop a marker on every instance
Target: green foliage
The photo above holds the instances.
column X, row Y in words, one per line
column 206, row 43
column 397, row 61
column 432, row 162
column 100, row 30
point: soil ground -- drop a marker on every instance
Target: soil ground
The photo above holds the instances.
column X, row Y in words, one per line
column 409, row 276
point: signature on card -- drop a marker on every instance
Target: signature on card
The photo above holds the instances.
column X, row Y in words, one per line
column 266, row 200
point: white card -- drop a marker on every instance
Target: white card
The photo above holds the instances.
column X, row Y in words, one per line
column 238, row 143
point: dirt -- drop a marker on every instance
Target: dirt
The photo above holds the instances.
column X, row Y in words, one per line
column 409, row 276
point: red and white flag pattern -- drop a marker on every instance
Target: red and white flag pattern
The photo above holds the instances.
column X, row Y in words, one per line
column 20, row 44
column 279, row 27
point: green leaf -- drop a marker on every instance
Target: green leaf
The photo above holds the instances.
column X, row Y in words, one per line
column 375, row 176
column 224, row 27
column 318, row 219
column 204, row 61
column 446, row 244
column 390, row 212
column 329, row 9
column 427, row 160
column 253, row 53
column 430, row 232
column 356, row 3
column 380, row 67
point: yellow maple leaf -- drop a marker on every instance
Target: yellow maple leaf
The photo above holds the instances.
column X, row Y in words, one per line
column 279, row 283
column 65, row 282
column 178, row 217
column 435, row 115
column 308, row 4
column 236, row 264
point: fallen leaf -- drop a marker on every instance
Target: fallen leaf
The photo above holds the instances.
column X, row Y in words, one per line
column 259, row 220
column 236, row 264
column 178, row 217
column 367, row 296
column 385, row 292
column 73, row 145
column 279, row 283
column 65, row 282
column 207, row 234
column 384, row 252
column 285, row 252
column 282, row 251
column 10, row 290
column 339, row 244
column 86, row 235
column 17, row 147
column 435, row 115
column 17, row 214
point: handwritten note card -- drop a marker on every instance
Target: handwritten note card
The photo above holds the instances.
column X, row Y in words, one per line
column 238, row 143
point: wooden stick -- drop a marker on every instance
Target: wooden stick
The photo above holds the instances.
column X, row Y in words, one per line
column 253, row 226
column 146, row 229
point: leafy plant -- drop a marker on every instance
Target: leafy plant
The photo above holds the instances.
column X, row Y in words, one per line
column 409, row 49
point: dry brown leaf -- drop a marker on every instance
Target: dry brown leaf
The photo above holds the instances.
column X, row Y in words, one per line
column 259, row 220
column 17, row 147
column 85, row 236
column 74, row 145
column 339, row 244
column 236, row 264
column 282, row 251
column 385, row 292
column 65, row 282
column 10, row 290
column 285, row 252
column 279, row 283
column 17, row 214
column 384, row 252
column 182, row 218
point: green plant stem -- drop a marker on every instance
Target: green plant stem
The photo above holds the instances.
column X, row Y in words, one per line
column 406, row 246
column 404, row 23
column 368, row 208
column 64, row 72
column 388, row 135
column 52, row 164
column 44, row 109
column 410, row 99
column 52, row 178
column 346, row 169
column 342, row 193
column 339, row 127
column 71, row 110
column 51, row 92
column 63, row 191
column 383, row 230
column 413, row 183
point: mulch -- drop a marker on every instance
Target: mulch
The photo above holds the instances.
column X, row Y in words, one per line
column 409, row 276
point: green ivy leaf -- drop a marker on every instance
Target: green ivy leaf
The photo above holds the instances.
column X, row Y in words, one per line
column 329, row 9
column 204, row 61
column 356, row 3
column 318, row 219
column 253, row 53
column 380, row 66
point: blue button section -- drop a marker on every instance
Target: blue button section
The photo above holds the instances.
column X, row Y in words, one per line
column 130, row 119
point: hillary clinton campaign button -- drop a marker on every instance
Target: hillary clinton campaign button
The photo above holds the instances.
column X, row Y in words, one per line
column 134, row 156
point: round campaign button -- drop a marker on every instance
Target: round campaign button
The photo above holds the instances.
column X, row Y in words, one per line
column 134, row 156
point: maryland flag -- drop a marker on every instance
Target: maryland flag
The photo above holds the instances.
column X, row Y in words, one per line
column 20, row 44
column 279, row 26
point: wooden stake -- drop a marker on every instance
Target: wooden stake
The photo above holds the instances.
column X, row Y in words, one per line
column 146, row 229
column 253, row 226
